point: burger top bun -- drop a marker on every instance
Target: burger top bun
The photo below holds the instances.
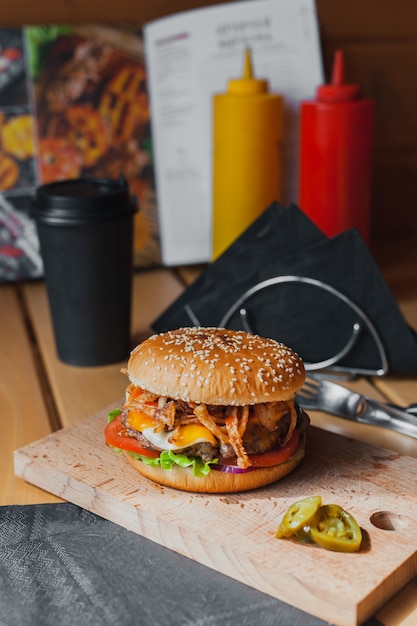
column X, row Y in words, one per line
column 216, row 366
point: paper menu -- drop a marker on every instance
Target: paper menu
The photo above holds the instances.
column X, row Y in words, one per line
column 190, row 56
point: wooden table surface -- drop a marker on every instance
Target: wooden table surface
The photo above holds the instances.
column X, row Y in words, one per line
column 39, row 394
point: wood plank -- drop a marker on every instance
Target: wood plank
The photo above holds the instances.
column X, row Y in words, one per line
column 370, row 482
column 384, row 73
column 188, row 274
column 22, row 406
column 402, row 610
column 394, row 193
column 342, row 19
column 397, row 262
column 105, row 11
column 80, row 391
column 367, row 19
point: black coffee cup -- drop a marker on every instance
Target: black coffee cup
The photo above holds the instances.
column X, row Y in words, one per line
column 85, row 229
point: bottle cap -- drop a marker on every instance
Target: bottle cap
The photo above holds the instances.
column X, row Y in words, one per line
column 338, row 90
column 248, row 84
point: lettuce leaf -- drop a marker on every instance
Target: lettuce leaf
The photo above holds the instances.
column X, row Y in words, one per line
column 112, row 414
column 167, row 459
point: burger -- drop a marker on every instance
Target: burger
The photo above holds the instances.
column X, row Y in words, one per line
column 211, row 410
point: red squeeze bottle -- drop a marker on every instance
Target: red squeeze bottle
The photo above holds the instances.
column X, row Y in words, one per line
column 336, row 149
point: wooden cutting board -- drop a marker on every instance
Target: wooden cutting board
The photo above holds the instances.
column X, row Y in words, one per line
column 235, row 533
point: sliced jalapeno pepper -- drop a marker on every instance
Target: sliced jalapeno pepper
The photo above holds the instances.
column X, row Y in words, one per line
column 298, row 515
column 335, row 529
column 303, row 535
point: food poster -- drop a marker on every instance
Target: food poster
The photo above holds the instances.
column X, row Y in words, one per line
column 19, row 248
column 89, row 88
column 73, row 102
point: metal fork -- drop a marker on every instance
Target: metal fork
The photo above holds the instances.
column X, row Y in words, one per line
column 330, row 397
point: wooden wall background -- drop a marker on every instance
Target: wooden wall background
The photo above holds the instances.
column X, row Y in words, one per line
column 379, row 39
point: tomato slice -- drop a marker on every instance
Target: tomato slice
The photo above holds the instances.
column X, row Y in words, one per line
column 116, row 436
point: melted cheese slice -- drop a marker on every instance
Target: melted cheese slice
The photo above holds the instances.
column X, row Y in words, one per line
column 186, row 436
column 139, row 421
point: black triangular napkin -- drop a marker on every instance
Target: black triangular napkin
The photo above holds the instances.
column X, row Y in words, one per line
column 60, row 564
column 277, row 233
column 309, row 318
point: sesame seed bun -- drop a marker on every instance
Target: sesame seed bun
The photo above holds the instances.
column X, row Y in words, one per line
column 217, row 481
column 216, row 366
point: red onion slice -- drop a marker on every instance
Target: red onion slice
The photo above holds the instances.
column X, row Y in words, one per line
column 231, row 469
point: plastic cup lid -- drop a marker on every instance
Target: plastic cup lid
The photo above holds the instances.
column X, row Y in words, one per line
column 83, row 201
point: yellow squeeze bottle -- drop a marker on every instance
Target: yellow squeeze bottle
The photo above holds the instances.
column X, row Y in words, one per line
column 247, row 132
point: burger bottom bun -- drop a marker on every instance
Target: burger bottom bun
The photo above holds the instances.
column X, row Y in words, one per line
column 218, row 481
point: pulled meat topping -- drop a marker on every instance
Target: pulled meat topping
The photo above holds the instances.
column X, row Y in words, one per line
column 240, row 430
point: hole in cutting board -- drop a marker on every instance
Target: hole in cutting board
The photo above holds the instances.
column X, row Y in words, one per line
column 386, row 520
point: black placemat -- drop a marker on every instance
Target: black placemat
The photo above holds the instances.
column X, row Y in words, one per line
column 61, row 565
